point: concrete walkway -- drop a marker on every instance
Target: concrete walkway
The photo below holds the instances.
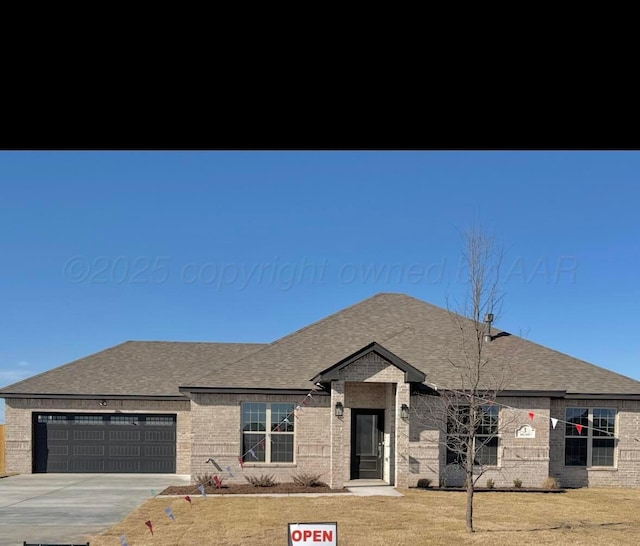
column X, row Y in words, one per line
column 53, row 508
column 368, row 488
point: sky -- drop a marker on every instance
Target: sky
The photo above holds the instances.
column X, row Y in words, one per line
column 97, row 248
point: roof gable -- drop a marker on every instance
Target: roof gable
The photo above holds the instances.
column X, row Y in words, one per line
column 411, row 374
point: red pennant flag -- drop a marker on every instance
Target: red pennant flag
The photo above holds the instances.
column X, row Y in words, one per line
column 148, row 524
column 579, row 429
column 188, row 499
column 240, row 461
column 217, row 481
column 277, row 429
column 531, row 415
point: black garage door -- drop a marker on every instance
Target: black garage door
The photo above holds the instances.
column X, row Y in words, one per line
column 72, row 442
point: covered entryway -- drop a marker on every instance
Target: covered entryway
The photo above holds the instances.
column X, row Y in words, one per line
column 370, row 392
column 101, row 442
column 367, row 444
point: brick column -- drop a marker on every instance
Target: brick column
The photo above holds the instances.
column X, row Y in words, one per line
column 338, row 454
column 402, row 437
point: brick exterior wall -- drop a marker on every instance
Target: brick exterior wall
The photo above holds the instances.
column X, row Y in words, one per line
column 18, row 415
column 526, row 459
column 208, row 427
column 626, row 469
column 216, row 435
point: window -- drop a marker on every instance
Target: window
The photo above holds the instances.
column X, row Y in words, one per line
column 159, row 421
column 485, row 441
column 594, row 444
column 88, row 420
column 123, row 420
column 267, row 432
column 57, row 419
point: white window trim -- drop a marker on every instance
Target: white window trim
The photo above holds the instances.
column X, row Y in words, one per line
column 267, row 437
column 589, row 436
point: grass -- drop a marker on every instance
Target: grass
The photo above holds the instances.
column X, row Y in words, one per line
column 582, row 516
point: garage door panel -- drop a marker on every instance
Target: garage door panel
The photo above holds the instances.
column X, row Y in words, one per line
column 62, row 435
column 124, row 451
column 86, row 465
column 159, row 451
column 104, row 443
column 159, row 436
column 88, row 435
column 124, row 435
column 124, row 465
column 59, row 466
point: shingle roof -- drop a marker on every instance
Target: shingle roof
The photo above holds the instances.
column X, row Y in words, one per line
column 422, row 335
column 143, row 368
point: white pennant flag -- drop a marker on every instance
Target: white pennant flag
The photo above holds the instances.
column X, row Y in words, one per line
column 554, row 422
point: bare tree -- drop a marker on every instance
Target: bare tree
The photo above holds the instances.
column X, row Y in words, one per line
column 465, row 413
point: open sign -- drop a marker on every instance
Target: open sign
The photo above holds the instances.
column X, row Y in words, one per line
column 313, row 533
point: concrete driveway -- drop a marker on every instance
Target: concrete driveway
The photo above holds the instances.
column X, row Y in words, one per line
column 52, row 508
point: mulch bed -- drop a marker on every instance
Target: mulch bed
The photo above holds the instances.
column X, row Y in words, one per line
column 248, row 489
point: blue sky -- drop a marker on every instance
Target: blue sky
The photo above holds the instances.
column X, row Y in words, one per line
column 101, row 247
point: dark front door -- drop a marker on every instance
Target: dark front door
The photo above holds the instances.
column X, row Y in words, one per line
column 367, row 449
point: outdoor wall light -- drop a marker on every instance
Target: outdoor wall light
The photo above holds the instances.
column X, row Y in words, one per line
column 339, row 409
column 404, row 411
column 103, row 402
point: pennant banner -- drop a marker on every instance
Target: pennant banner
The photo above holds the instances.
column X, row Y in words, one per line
column 240, row 462
column 554, row 422
column 123, row 540
column 228, row 469
column 579, row 429
column 169, row 513
column 531, row 415
column 201, row 489
column 188, row 499
column 148, row 524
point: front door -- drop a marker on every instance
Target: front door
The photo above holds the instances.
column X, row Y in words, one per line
column 367, row 447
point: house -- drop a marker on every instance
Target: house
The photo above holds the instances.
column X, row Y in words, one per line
column 343, row 397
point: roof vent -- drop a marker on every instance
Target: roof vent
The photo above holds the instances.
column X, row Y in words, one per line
column 488, row 319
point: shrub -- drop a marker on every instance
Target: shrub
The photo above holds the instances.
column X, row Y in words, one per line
column 204, row 479
column 424, row 483
column 207, row 479
column 262, row 480
column 490, row 484
column 517, row 483
column 307, row 479
column 551, row 483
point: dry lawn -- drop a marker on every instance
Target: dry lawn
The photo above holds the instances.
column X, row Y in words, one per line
column 583, row 516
